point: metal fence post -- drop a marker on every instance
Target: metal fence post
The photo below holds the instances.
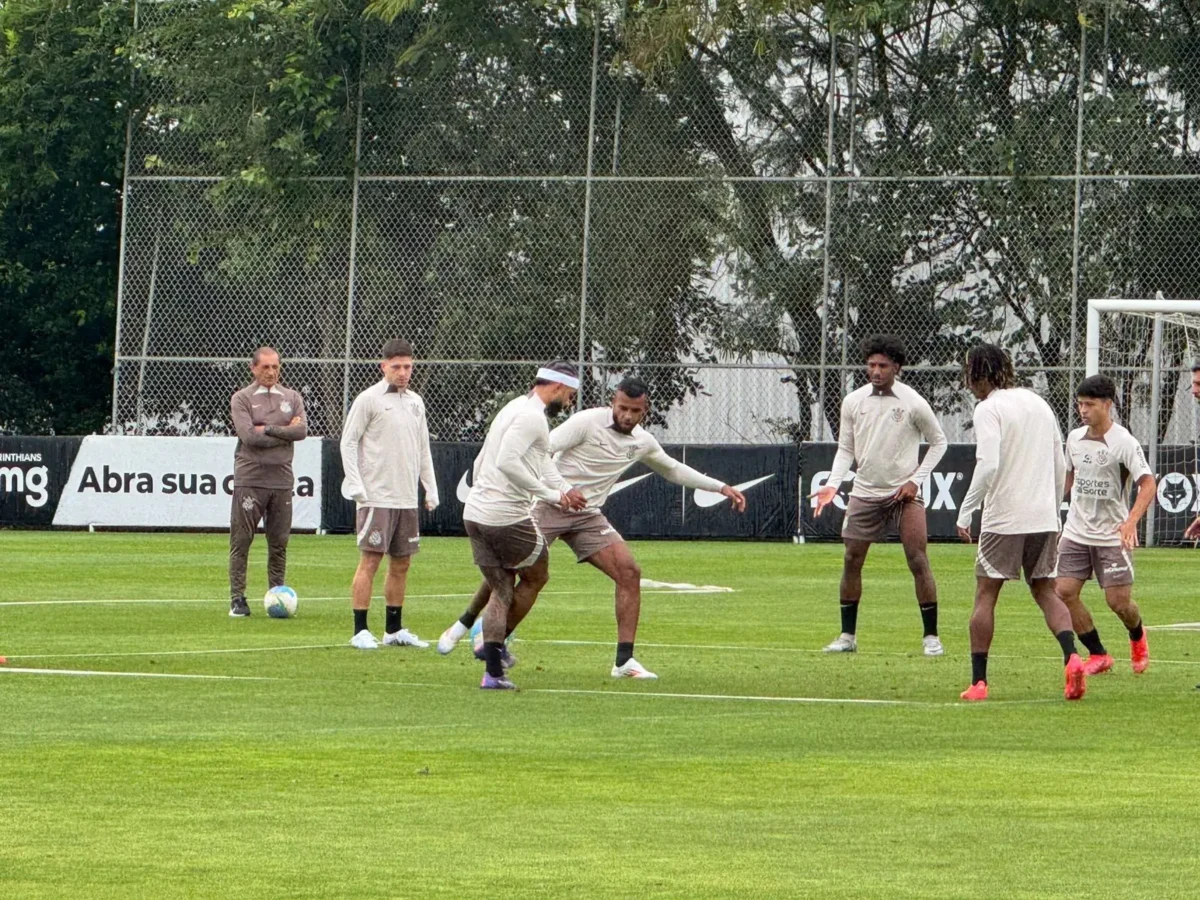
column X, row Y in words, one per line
column 1078, row 203
column 351, row 276
column 824, row 318
column 126, row 191
column 587, row 209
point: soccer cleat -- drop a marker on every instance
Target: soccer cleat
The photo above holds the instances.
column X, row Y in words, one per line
column 633, row 669
column 846, row 643
column 977, row 691
column 239, row 608
column 1076, row 678
column 477, row 638
column 932, row 646
column 450, row 638
column 364, row 640
column 1097, row 663
column 1139, row 655
column 496, row 684
column 403, row 638
column 508, row 660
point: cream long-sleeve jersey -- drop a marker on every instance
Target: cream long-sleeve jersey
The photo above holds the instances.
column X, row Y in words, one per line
column 1020, row 471
column 882, row 431
column 592, row 455
column 513, row 467
column 385, row 449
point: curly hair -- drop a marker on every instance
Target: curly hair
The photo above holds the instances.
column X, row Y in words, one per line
column 886, row 344
column 990, row 364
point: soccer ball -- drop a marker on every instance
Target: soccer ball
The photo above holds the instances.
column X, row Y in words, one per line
column 280, row 602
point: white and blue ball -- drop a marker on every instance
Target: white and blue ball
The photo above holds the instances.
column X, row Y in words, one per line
column 280, row 602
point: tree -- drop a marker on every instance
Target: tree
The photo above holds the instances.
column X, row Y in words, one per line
column 64, row 95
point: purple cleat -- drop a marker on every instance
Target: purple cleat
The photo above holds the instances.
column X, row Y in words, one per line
column 496, row 684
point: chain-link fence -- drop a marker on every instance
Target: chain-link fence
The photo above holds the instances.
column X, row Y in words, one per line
column 510, row 188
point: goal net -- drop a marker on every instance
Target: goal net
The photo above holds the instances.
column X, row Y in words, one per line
column 1148, row 347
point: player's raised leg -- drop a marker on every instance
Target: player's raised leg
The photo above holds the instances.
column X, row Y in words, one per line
column 1120, row 601
column 495, row 625
column 914, row 538
column 462, row 626
column 849, row 594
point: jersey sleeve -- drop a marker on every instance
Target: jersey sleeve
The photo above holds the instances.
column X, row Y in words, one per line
column 1134, row 459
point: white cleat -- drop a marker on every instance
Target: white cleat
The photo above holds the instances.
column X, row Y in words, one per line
column 364, row 640
column 403, row 638
column 933, row 646
column 450, row 637
column 633, row 669
column 846, row 643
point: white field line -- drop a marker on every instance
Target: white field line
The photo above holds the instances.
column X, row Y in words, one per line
column 736, row 648
column 744, row 648
column 662, row 695
column 1178, row 626
column 345, row 598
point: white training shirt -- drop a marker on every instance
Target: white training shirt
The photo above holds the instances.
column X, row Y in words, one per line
column 882, row 432
column 1104, row 469
column 385, row 449
column 1020, row 472
column 591, row 454
column 514, row 466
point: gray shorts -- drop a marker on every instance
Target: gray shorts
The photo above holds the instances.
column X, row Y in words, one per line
column 585, row 533
column 1005, row 555
column 1111, row 566
column 868, row 519
column 516, row 546
column 396, row 532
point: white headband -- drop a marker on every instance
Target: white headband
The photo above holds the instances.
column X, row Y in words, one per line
column 561, row 377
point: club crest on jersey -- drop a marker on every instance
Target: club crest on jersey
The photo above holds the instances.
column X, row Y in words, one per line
column 247, row 503
column 285, row 406
column 897, row 415
column 1102, row 458
column 631, row 452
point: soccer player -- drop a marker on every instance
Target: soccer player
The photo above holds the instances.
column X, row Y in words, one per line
column 268, row 419
column 385, row 451
column 514, row 468
column 1020, row 475
column 883, row 424
column 1192, row 533
column 592, row 450
column 1103, row 458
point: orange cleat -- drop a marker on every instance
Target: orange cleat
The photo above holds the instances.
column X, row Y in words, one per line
column 977, row 691
column 1097, row 663
column 1076, row 679
column 1139, row 655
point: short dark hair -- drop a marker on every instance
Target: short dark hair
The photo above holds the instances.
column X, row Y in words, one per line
column 887, row 344
column 397, row 347
column 990, row 363
column 562, row 367
column 633, row 388
column 258, row 354
column 1196, row 366
column 1097, row 387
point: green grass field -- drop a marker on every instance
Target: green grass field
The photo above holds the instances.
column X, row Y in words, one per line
column 303, row 768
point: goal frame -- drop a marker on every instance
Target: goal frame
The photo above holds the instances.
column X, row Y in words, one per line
column 1157, row 307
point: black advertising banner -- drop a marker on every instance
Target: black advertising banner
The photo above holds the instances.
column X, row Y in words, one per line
column 943, row 492
column 1178, row 500
column 33, row 473
column 641, row 505
column 768, row 475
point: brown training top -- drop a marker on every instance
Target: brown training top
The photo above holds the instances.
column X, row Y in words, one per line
column 265, row 460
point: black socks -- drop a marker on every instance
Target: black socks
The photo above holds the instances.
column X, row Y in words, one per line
column 849, row 616
column 467, row 619
column 493, row 654
column 1066, row 640
column 929, row 619
column 1091, row 640
column 360, row 620
column 624, row 652
column 979, row 668
column 1136, row 633
column 391, row 622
